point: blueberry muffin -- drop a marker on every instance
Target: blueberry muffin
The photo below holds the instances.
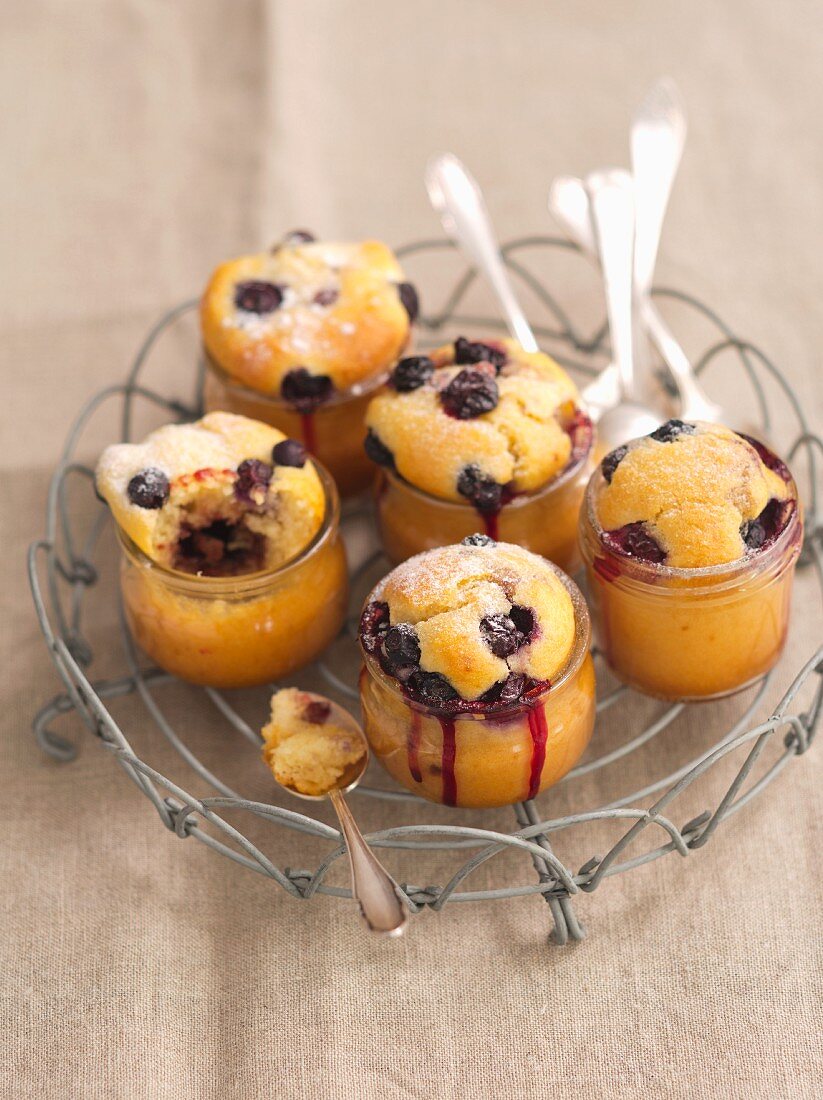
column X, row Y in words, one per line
column 481, row 623
column 690, row 537
column 311, row 745
column 692, row 495
column 478, row 685
column 477, row 423
column 309, row 318
column 225, row 496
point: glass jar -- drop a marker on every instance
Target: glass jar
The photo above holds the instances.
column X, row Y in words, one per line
column 689, row 634
column 231, row 632
column 333, row 432
column 477, row 756
column 544, row 521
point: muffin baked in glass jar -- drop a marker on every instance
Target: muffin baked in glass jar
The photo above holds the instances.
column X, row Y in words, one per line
column 478, row 685
column 233, row 572
column 691, row 536
column 480, row 435
column 302, row 336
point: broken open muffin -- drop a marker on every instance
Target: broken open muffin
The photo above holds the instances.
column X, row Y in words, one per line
column 233, row 571
column 223, row 497
column 480, row 433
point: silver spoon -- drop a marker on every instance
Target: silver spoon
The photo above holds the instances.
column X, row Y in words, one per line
column 372, row 885
column 658, row 135
column 611, row 203
column 458, row 200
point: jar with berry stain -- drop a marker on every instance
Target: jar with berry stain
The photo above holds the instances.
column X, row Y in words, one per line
column 544, row 521
column 331, row 429
column 476, row 754
column 690, row 634
column 239, row 631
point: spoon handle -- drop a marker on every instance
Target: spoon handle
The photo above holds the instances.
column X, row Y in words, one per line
column 372, row 885
column 611, row 197
column 457, row 198
column 658, row 135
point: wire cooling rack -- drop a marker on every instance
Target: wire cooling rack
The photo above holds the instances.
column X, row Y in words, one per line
column 756, row 747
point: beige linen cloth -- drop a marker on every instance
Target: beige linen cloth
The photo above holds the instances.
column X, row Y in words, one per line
column 144, row 142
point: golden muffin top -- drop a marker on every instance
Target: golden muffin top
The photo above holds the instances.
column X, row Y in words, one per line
column 224, row 496
column 312, row 745
column 482, row 620
column 471, row 421
column 308, row 318
column 692, row 495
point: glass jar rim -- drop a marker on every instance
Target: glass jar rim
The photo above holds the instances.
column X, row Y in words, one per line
column 337, row 397
column 519, row 500
column 245, row 583
column 719, row 576
column 577, row 655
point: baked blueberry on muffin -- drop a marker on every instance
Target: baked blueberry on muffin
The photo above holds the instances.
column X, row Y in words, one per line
column 479, row 429
column 225, row 496
column 691, row 536
column 481, row 631
column 477, row 422
column 309, row 318
column 691, row 495
column 233, row 572
column 310, row 744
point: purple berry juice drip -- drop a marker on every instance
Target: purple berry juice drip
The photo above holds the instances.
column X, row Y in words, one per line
column 491, row 524
column 308, row 433
column 540, row 733
column 448, row 757
column 413, row 747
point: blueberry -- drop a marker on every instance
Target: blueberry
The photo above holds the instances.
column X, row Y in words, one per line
column 374, row 624
column 401, row 647
column 669, row 431
column 478, row 540
column 483, row 491
column 431, row 688
column 469, row 394
column 409, row 300
column 753, row 534
column 507, row 692
column 289, row 452
column 256, row 296
column 501, row 635
column 523, row 619
column 305, row 390
column 296, row 237
column 149, row 489
column 317, row 712
column 326, row 297
column 612, row 461
column 760, row 532
column 377, row 451
column 635, row 540
column 466, row 351
column 411, row 373
column 253, row 477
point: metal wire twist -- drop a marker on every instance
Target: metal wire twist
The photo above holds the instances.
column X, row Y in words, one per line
column 62, row 571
